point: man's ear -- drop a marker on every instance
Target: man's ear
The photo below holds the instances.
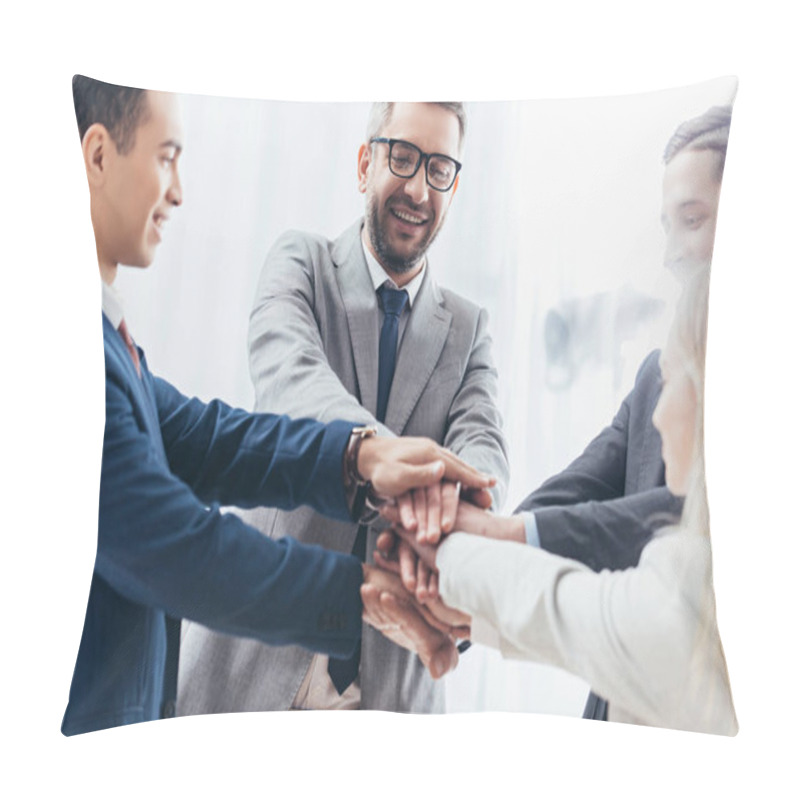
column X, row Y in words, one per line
column 364, row 157
column 98, row 150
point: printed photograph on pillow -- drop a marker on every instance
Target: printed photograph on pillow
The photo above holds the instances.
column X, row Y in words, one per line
column 404, row 407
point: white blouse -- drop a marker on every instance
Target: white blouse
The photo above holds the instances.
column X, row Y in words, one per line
column 644, row 638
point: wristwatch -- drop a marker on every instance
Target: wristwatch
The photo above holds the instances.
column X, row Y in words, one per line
column 356, row 488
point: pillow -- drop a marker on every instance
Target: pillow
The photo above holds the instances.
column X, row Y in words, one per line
column 545, row 276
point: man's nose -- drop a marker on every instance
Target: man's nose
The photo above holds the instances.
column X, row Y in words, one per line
column 673, row 249
column 417, row 187
column 175, row 193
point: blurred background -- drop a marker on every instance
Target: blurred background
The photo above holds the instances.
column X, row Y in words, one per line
column 555, row 229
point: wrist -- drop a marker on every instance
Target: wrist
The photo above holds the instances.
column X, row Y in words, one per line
column 356, row 487
column 354, row 461
column 365, row 455
column 514, row 529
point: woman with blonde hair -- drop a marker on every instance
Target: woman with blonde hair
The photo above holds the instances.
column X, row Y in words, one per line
column 646, row 637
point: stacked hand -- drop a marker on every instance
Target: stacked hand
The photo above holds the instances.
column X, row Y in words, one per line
column 393, row 611
column 423, row 483
column 410, row 550
column 407, row 468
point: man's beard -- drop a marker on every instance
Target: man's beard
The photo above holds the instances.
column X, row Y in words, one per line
column 387, row 256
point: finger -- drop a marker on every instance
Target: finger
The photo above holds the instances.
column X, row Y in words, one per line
column 478, row 497
column 423, row 576
column 408, row 566
column 444, row 660
column 405, row 508
column 431, row 619
column 450, row 495
column 433, row 647
column 386, row 542
column 457, row 470
column 434, row 526
column 391, row 512
column 462, row 632
column 390, row 565
column 421, row 511
column 422, row 551
column 433, row 586
column 373, row 612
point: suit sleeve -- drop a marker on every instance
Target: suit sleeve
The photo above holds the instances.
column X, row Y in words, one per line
column 474, row 430
column 644, row 638
column 288, row 364
column 229, row 456
column 583, row 512
column 159, row 545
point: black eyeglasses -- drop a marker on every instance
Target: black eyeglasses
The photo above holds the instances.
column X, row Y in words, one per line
column 405, row 158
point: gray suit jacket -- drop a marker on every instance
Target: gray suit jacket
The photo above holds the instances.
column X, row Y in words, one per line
column 314, row 334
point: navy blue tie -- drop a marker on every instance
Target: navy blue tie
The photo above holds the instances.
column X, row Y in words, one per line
column 343, row 671
column 393, row 301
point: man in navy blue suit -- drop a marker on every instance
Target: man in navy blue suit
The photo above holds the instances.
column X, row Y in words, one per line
column 164, row 549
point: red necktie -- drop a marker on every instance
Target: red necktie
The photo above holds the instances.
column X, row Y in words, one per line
column 126, row 337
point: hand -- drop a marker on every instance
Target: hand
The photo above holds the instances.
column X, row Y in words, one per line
column 391, row 610
column 434, row 509
column 395, row 466
column 430, row 597
column 425, row 552
column 471, row 519
column 431, row 511
column 395, row 555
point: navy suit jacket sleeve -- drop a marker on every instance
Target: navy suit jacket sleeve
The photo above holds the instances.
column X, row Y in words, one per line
column 588, row 512
column 233, row 457
column 163, row 542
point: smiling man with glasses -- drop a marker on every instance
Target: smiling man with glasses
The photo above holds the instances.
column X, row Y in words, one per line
column 357, row 328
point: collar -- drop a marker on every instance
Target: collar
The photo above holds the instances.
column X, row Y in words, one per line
column 379, row 276
column 112, row 304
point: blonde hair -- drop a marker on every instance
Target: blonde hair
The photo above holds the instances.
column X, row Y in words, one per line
column 688, row 335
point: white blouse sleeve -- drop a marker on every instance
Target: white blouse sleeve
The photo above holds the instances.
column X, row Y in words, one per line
column 644, row 638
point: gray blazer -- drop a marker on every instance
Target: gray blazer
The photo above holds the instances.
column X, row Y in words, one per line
column 314, row 333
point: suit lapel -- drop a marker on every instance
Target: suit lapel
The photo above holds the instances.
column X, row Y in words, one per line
column 361, row 310
column 139, row 387
column 420, row 348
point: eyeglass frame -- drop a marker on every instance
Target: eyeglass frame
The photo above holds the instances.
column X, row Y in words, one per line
column 423, row 156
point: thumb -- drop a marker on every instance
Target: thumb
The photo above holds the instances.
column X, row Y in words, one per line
column 444, row 660
column 479, row 497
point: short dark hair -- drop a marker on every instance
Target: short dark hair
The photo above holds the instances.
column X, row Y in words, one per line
column 709, row 131
column 119, row 109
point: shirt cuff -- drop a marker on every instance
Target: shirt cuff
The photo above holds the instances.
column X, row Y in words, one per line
column 531, row 529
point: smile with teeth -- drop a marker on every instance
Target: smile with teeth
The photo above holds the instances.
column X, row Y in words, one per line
column 408, row 216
